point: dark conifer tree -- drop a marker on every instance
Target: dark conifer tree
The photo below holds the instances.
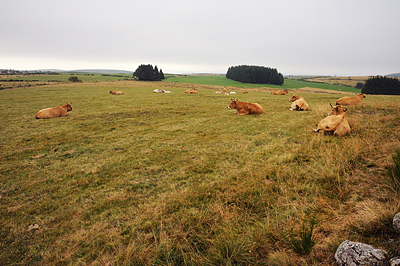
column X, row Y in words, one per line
column 255, row 74
column 148, row 73
column 382, row 85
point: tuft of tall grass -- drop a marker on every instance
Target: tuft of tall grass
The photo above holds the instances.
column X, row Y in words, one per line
column 394, row 174
column 304, row 241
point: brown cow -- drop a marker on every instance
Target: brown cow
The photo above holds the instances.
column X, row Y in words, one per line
column 116, row 92
column 192, row 91
column 351, row 100
column 284, row 92
column 335, row 123
column 54, row 112
column 299, row 104
column 337, row 110
column 245, row 108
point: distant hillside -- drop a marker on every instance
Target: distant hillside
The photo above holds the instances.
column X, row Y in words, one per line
column 101, row 71
column 98, row 71
column 395, row 75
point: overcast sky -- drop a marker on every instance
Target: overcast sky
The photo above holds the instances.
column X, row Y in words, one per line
column 323, row 37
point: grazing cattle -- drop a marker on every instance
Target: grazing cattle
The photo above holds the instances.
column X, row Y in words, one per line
column 232, row 92
column 54, row 112
column 192, row 91
column 284, row 92
column 299, row 104
column 245, row 108
column 351, row 100
column 245, row 92
column 116, row 92
column 335, row 123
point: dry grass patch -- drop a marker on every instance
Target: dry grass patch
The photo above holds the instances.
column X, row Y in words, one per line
column 176, row 179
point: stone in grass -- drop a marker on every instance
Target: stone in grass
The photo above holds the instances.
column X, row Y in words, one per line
column 354, row 253
column 394, row 261
column 396, row 223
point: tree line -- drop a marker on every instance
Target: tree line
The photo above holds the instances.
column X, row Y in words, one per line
column 255, row 74
column 148, row 73
column 382, row 85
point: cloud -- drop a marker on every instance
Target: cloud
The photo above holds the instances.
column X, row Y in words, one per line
column 297, row 37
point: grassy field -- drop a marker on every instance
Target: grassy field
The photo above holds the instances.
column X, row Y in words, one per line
column 21, row 81
column 177, row 179
column 343, row 81
column 221, row 80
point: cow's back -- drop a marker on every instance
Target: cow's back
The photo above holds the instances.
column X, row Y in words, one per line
column 355, row 100
column 337, row 124
column 54, row 112
column 245, row 108
column 258, row 108
column 49, row 113
column 300, row 105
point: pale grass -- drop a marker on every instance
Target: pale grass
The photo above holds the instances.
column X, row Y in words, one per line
column 157, row 179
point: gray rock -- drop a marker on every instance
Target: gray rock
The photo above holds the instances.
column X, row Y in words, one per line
column 394, row 261
column 396, row 223
column 353, row 253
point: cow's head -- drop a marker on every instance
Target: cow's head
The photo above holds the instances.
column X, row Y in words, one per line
column 294, row 98
column 69, row 107
column 337, row 110
column 232, row 105
column 361, row 94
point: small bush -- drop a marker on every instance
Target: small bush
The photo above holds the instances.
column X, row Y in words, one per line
column 74, row 79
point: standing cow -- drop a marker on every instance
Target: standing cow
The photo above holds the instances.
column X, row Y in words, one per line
column 299, row 104
column 355, row 100
column 54, row 112
column 245, row 108
column 335, row 123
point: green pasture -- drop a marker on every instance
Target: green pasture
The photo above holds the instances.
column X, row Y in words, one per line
column 221, row 80
column 178, row 179
column 63, row 77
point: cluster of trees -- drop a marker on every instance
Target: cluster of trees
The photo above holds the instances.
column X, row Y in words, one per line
column 148, row 73
column 74, row 79
column 382, row 85
column 255, row 74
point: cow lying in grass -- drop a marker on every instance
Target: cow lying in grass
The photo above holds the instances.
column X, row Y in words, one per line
column 116, row 92
column 337, row 110
column 351, row 100
column 54, row 112
column 299, row 104
column 335, row 123
column 245, row 108
column 161, row 91
column 193, row 91
column 284, row 92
